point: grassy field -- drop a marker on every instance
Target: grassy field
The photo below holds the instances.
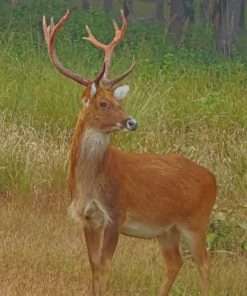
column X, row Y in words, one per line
column 182, row 106
column 43, row 253
column 200, row 114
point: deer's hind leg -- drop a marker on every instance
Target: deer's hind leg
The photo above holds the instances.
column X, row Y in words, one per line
column 196, row 242
column 169, row 245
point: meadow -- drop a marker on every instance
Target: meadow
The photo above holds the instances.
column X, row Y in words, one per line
column 187, row 102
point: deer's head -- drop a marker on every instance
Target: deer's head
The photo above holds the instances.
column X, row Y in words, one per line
column 101, row 98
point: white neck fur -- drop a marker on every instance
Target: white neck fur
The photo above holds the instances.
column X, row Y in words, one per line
column 93, row 145
column 91, row 151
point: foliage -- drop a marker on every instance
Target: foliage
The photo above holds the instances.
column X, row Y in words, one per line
column 23, row 24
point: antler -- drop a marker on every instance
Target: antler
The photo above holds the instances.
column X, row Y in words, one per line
column 109, row 48
column 50, row 34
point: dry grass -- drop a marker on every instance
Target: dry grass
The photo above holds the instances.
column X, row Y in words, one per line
column 43, row 253
column 31, row 161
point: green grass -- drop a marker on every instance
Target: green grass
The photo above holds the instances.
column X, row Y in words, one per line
column 195, row 111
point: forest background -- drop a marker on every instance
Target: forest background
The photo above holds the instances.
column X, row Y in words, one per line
column 189, row 94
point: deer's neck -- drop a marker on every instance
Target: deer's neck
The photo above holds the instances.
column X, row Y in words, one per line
column 92, row 148
column 89, row 152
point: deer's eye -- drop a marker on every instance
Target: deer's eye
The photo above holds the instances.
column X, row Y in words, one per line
column 103, row 104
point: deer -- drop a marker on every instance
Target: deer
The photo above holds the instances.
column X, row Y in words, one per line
column 142, row 195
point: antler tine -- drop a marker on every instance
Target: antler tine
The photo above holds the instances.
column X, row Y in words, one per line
column 93, row 40
column 119, row 33
column 46, row 31
column 109, row 48
column 114, row 81
column 50, row 34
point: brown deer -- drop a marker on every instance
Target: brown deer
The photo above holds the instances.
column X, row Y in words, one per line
column 141, row 195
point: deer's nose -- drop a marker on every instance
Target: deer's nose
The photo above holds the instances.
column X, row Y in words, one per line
column 131, row 124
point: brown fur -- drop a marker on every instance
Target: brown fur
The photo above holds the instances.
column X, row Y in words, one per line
column 144, row 195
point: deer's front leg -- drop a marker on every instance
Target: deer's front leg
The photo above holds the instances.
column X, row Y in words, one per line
column 101, row 244
column 94, row 239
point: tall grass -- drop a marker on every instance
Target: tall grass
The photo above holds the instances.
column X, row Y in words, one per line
column 195, row 111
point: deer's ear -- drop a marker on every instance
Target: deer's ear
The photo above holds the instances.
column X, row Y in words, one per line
column 121, row 92
column 93, row 90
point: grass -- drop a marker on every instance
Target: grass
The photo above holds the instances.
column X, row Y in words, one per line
column 182, row 106
column 199, row 113
column 43, row 253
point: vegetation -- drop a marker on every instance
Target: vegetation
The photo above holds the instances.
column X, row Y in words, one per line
column 189, row 101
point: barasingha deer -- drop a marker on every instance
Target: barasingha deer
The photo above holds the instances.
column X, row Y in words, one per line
column 141, row 195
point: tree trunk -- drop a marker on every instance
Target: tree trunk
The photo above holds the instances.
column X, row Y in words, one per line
column 190, row 9
column 208, row 11
column 160, row 10
column 214, row 12
column 242, row 15
column 128, row 7
column 108, row 6
column 85, row 4
column 228, row 28
column 177, row 19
